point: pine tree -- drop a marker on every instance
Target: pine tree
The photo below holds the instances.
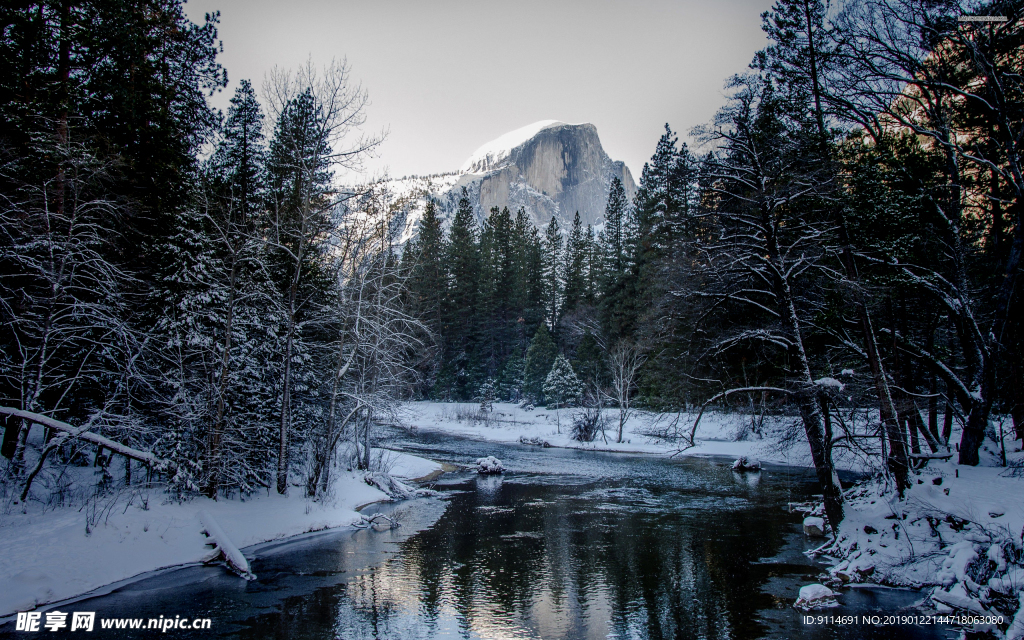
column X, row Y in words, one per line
column 539, row 358
column 239, row 162
column 301, row 222
column 589, row 361
column 662, row 211
column 575, row 267
column 498, row 279
column 462, row 256
column 593, row 267
column 562, row 387
column 239, row 420
column 528, row 298
column 512, row 378
column 616, row 284
column 552, row 257
column 427, row 272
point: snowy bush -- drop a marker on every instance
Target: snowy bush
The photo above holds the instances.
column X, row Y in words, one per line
column 489, row 465
column 586, row 424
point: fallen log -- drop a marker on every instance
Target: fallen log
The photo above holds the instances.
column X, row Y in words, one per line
column 144, row 457
column 223, row 548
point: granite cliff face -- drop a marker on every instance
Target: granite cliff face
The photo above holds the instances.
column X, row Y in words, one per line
column 559, row 170
column 548, row 168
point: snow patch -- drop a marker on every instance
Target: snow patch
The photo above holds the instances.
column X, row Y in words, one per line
column 493, row 152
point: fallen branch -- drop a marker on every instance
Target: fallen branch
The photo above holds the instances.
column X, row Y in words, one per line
column 693, row 430
column 374, row 520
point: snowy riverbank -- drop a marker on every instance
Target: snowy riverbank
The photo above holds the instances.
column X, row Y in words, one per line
column 52, row 555
column 643, row 432
column 957, row 530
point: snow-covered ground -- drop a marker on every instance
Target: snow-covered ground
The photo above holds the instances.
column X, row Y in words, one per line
column 54, row 555
column 644, row 432
column 958, row 530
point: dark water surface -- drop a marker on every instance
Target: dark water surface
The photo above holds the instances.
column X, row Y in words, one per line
column 568, row 544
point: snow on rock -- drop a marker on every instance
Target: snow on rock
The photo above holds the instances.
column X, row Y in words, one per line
column 490, row 464
column 747, row 463
column 815, row 596
column 498, row 149
column 954, row 567
column 814, row 527
column 958, row 599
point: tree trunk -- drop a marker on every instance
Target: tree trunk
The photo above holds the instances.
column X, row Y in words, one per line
column 217, row 433
column 947, row 423
column 910, row 427
column 366, row 442
column 896, row 461
column 282, row 451
column 807, row 394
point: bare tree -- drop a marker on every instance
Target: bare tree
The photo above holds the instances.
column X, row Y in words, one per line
column 63, row 302
column 624, row 362
column 910, row 66
column 376, row 336
column 317, row 113
column 762, row 245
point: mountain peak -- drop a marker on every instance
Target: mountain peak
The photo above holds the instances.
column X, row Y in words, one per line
column 548, row 168
column 492, row 153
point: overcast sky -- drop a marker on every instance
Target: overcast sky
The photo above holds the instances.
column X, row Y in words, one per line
column 446, row 76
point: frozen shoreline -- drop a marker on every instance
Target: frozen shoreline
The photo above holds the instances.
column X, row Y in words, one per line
column 49, row 557
column 944, row 535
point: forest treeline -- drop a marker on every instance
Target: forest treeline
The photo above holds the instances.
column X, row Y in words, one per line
column 845, row 233
column 180, row 281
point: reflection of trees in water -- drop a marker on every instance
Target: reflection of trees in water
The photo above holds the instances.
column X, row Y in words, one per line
column 540, row 561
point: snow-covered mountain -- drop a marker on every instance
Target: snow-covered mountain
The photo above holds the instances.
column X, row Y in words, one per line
column 549, row 168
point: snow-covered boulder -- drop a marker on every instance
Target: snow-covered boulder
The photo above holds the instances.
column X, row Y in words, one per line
column 490, row 464
column 816, row 596
column 746, row 463
column 814, row 527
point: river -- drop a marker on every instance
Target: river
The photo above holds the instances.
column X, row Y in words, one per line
column 567, row 544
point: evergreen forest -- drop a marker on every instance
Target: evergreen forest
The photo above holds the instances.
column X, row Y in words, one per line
column 197, row 292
